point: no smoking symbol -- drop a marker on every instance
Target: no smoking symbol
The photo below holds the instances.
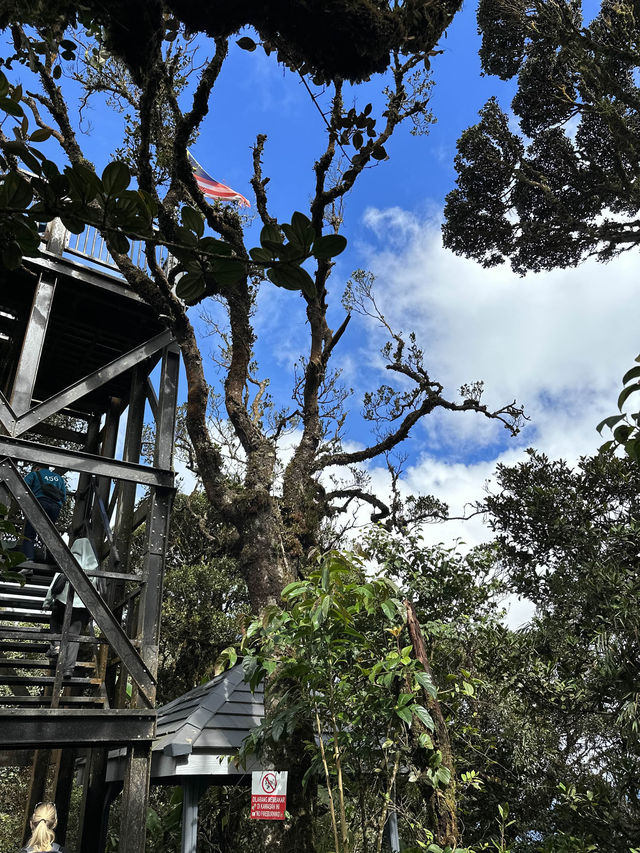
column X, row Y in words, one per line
column 269, row 783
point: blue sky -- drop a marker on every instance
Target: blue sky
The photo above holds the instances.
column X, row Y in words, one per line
column 557, row 342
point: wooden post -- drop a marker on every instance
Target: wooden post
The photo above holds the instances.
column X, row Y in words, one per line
column 63, row 786
column 37, row 787
column 93, row 798
column 135, row 796
column 191, row 791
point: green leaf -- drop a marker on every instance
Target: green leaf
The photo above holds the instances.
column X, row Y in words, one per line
column 425, row 741
column 292, row 278
column 626, row 393
column 261, row 256
column 277, row 729
column 193, row 220
column 303, row 229
column 389, row 610
column 404, row 714
column 119, row 243
column 10, row 107
column 215, row 247
column 84, row 184
column 634, row 373
column 424, row 680
column 72, row 224
column 190, row 287
column 186, row 236
column 378, row 153
column 609, row 422
column 271, row 233
column 18, row 190
column 40, row 135
column 116, row 178
column 246, row 43
column 424, row 716
column 326, row 606
column 443, row 774
column 295, row 245
column 329, row 245
column 227, row 271
column 632, row 449
column 622, row 433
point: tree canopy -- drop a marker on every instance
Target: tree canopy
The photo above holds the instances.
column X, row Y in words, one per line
column 313, row 33
column 563, row 185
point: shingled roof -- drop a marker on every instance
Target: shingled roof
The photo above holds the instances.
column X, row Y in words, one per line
column 199, row 731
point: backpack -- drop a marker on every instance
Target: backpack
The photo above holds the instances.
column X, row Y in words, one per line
column 49, row 490
column 58, row 585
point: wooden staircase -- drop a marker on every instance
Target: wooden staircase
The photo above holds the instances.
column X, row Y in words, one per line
column 28, row 678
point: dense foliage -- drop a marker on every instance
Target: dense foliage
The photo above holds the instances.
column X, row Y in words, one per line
column 563, row 185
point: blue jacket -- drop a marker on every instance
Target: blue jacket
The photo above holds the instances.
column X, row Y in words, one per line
column 34, row 481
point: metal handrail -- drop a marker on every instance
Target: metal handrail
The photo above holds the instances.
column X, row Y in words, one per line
column 91, row 246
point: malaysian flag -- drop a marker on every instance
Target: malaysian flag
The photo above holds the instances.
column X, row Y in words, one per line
column 211, row 188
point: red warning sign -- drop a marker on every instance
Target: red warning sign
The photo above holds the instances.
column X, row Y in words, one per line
column 268, row 795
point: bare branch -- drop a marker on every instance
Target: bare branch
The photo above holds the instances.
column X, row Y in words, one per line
column 259, row 183
column 382, row 510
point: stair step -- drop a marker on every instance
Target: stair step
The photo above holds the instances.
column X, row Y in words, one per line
column 47, row 680
column 38, row 663
column 13, row 587
column 16, row 615
column 38, row 573
column 46, row 700
column 15, row 632
column 23, row 632
column 18, row 600
column 26, row 647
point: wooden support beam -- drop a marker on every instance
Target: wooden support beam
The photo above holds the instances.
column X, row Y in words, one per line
column 73, row 460
column 16, row 422
column 158, row 524
column 28, row 728
column 29, row 362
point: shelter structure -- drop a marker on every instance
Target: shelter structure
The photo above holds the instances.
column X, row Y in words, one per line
column 197, row 737
column 83, row 363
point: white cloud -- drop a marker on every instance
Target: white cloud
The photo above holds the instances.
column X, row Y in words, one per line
column 558, row 342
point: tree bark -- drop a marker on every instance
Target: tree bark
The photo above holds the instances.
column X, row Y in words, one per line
column 442, row 803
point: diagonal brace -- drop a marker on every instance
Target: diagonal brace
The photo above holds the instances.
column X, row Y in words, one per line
column 17, row 424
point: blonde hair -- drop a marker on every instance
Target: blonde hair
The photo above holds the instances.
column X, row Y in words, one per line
column 43, row 821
